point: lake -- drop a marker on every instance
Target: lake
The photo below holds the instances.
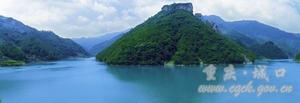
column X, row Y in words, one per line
column 87, row 81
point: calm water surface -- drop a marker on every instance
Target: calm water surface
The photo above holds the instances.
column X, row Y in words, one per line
column 87, row 81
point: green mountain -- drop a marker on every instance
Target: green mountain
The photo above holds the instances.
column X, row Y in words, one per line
column 263, row 49
column 20, row 43
column 269, row 50
column 258, row 32
column 174, row 35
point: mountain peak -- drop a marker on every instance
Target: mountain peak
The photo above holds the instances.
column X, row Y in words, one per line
column 12, row 24
column 178, row 6
column 176, row 38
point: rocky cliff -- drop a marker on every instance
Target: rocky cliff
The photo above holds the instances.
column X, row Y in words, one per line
column 178, row 6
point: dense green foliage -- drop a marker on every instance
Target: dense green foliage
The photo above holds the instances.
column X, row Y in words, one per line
column 269, row 50
column 297, row 58
column 12, row 51
column 177, row 37
column 36, row 45
column 28, row 44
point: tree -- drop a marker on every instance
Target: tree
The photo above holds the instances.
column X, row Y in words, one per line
column 297, row 58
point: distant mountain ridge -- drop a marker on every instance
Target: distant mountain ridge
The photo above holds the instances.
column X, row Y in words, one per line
column 94, row 45
column 258, row 32
column 88, row 42
column 24, row 43
column 105, row 44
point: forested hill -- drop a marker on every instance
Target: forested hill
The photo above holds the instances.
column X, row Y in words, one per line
column 174, row 35
column 19, row 42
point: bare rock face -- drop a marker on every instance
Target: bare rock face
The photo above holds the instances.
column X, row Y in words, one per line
column 199, row 15
column 178, row 6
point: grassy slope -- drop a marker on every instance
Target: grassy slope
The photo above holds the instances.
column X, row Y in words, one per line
column 11, row 63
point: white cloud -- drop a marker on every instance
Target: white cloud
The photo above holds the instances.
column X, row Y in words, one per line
column 73, row 18
column 83, row 19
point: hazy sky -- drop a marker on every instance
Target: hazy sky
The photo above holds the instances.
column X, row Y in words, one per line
column 83, row 18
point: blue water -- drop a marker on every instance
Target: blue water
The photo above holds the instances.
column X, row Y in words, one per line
column 88, row 81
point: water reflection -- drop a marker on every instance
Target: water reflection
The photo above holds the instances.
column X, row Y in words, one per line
column 180, row 84
column 176, row 85
column 88, row 81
